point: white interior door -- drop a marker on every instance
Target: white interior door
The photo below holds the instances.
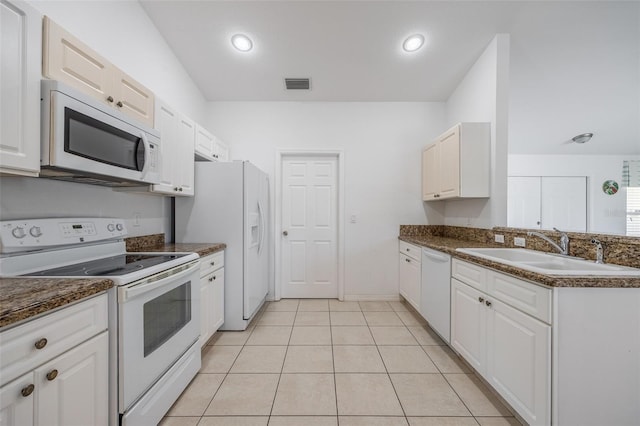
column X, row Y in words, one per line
column 309, row 254
column 523, row 208
column 564, row 203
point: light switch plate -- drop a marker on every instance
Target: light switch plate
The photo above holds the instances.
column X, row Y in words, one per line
column 519, row 242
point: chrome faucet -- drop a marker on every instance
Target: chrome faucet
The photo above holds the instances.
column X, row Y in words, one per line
column 599, row 250
column 563, row 248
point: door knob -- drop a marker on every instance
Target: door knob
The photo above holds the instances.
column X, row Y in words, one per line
column 285, row 233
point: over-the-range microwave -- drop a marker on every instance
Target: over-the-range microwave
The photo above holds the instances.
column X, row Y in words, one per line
column 85, row 141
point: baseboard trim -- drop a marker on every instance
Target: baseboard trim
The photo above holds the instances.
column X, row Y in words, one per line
column 371, row 297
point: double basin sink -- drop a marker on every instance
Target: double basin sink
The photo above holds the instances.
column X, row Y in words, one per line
column 548, row 263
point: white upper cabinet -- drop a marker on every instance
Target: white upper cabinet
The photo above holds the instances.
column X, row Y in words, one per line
column 458, row 163
column 208, row 147
column 205, row 143
column 20, row 50
column 66, row 58
column 177, row 134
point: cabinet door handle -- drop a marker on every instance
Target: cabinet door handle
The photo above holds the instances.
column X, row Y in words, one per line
column 480, row 299
column 41, row 343
column 213, row 263
column 407, row 260
column 408, row 249
column 119, row 104
column 180, row 189
column 487, row 303
column 51, row 375
column 211, row 279
column 27, row 390
column 110, row 99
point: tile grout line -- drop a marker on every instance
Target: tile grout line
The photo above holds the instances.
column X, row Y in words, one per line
column 389, row 375
column 286, row 351
column 226, row 374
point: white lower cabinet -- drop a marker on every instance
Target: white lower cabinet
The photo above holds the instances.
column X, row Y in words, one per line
column 409, row 279
column 211, row 295
column 63, row 377
column 509, row 348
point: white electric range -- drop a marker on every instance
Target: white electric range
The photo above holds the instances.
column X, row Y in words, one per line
column 154, row 307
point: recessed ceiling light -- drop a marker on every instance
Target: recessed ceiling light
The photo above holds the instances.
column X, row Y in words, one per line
column 413, row 43
column 242, row 42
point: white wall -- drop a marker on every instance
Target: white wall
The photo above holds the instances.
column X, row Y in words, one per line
column 123, row 33
column 606, row 213
column 483, row 96
column 382, row 143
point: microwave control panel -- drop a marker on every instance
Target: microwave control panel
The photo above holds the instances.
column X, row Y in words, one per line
column 30, row 234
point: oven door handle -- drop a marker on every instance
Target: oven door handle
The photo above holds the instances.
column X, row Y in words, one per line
column 127, row 293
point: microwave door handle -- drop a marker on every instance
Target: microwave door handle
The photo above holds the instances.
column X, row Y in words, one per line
column 127, row 293
column 147, row 154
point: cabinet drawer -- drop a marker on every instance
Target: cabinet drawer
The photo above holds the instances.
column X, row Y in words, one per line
column 211, row 262
column 529, row 298
column 62, row 330
column 410, row 250
column 469, row 273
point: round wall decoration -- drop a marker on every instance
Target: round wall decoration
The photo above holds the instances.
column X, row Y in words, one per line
column 610, row 187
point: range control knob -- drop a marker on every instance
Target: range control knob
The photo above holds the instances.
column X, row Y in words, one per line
column 35, row 231
column 119, row 227
column 18, row 232
column 111, row 227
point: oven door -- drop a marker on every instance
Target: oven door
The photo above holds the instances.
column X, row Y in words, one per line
column 158, row 320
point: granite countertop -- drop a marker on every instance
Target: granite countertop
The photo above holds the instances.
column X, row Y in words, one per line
column 203, row 249
column 449, row 245
column 22, row 298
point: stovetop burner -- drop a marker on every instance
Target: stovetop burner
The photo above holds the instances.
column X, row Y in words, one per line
column 119, row 265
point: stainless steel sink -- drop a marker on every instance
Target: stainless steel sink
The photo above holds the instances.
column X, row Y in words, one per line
column 549, row 264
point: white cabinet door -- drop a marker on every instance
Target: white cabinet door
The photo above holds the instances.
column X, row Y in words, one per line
column 468, row 329
column 186, row 133
column 131, row 97
column 204, row 143
column 519, row 361
column 430, row 172
column 223, row 152
column 20, row 59
column 68, row 59
column 449, row 159
column 16, row 402
column 73, row 389
column 166, row 123
column 177, row 134
column 206, row 308
column 409, row 280
column 217, row 317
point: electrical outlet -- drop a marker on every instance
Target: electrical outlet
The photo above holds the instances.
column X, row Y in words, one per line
column 519, row 242
column 136, row 219
column 499, row 238
column 354, row 218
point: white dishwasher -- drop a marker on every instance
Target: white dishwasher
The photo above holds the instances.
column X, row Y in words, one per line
column 435, row 300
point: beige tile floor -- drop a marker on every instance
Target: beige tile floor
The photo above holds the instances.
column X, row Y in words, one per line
column 325, row 362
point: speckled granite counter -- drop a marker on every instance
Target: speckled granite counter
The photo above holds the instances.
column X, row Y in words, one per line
column 155, row 243
column 203, row 249
column 22, row 298
column 449, row 245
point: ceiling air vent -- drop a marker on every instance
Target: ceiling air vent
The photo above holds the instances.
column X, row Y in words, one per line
column 296, row 83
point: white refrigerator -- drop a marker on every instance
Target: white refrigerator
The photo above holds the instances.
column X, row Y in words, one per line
column 231, row 206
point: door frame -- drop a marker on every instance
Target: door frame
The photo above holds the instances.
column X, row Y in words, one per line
column 281, row 155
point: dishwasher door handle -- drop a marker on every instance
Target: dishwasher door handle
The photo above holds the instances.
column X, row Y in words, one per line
column 434, row 256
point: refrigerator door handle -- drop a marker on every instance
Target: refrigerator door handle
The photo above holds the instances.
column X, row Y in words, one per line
column 261, row 224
